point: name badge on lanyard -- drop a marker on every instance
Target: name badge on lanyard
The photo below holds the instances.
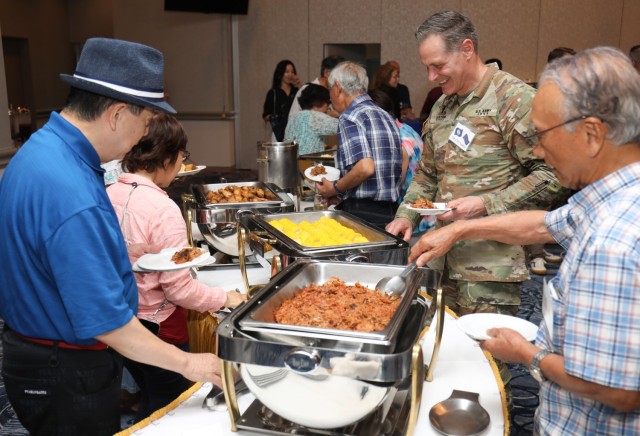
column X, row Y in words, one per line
column 462, row 136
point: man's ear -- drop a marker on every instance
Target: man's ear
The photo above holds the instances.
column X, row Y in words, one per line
column 595, row 132
column 466, row 47
column 114, row 112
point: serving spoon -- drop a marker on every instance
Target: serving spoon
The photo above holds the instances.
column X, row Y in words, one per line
column 396, row 285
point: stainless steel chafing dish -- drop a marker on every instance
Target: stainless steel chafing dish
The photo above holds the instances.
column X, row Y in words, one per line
column 218, row 222
column 383, row 247
column 353, row 383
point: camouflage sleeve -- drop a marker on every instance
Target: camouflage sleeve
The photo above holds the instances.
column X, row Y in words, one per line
column 424, row 182
column 540, row 189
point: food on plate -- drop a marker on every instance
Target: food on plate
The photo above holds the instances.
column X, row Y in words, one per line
column 320, row 233
column 318, row 170
column 186, row 255
column 188, row 167
column 423, row 203
column 239, row 194
column 339, row 306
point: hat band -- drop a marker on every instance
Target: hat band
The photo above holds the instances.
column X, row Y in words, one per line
column 123, row 89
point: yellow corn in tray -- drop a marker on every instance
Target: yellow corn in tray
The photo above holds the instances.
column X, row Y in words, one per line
column 323, row 232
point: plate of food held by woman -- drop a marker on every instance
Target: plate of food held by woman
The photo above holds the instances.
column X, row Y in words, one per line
column 171, row 259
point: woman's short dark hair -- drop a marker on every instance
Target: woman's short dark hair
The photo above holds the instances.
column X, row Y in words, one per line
column 313, row 96
column 165, row 139
column 383, row 100
column 278, row 73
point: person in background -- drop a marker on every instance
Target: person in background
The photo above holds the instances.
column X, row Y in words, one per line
column 634, row 55
column 430, row 100
column 537, row 254
column 369, row 154
column 68, row 295
column 386, row 80
column 586, row 356
column 279, row 98
column 494, row 61
column 310, row 125
column 148, row 216
column 477, row 160
column 412, row 147
column 559, row 52
column 406, row 109
column 328, row 64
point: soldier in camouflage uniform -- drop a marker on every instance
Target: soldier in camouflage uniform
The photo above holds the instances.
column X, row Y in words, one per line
column 477, row 160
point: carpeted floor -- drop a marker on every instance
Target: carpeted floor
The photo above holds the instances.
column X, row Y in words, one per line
column 524, row 388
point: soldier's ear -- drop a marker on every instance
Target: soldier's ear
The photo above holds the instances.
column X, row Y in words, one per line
column 466, row 48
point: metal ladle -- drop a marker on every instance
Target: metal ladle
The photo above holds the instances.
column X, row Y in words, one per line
column 396, row 285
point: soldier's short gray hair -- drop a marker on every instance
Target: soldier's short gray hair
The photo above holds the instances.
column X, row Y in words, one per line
column 351, row 76
column 599, row 82
column 452, row 26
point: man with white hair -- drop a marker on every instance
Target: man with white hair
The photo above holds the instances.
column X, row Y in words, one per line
column 369, row 154
column 587, row 351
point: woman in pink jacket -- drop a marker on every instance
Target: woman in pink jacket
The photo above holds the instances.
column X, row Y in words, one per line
column 147, row 215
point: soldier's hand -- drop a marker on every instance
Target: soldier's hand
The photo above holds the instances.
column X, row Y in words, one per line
column 463, row 209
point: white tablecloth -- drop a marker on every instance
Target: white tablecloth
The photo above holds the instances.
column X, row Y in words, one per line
column 461, row 365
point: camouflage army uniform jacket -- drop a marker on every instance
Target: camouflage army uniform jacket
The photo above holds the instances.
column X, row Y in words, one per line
column 498, row 165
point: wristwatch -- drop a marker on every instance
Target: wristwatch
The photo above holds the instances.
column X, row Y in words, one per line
column 534, row 368
column 335, row 187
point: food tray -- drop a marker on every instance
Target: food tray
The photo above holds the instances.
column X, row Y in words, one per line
column 258, row 313
column 376, row 237
column 200, row 192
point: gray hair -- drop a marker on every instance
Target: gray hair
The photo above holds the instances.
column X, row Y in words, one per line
column 452, row 26
column 351, row 76
column 599, row 82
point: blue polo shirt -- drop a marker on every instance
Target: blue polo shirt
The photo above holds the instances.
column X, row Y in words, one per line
column 64, row 269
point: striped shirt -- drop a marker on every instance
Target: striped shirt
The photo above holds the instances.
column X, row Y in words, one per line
column 596, row 325
column 367, row 131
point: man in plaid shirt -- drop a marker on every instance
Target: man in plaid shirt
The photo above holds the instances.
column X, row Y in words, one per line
column 369, row 154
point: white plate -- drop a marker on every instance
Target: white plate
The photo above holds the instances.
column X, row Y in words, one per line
column 162, row 261
column 332, row 174
column 439, row 208
column 476, row 325
column 191, row 172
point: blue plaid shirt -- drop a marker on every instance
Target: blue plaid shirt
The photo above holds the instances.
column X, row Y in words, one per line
column 366, row 130
column 597, row 317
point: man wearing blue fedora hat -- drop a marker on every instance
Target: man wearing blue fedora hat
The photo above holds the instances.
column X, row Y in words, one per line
column 67, row 292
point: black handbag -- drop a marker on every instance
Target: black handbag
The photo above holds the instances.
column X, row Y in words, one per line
column 278, row 122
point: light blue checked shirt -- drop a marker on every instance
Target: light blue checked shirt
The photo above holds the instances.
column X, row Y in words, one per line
column 597, row 317
column 366, row 130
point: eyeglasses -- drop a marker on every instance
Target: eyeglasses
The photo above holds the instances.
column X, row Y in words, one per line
column 537, row 134
column 185, row 155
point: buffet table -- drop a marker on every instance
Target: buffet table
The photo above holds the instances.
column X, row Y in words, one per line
column 460, row 365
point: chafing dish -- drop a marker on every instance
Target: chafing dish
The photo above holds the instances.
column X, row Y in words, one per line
column 218, row 222
column 383, row 247
column 321, row 378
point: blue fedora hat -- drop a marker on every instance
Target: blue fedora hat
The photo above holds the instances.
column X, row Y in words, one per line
column 122, row 70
